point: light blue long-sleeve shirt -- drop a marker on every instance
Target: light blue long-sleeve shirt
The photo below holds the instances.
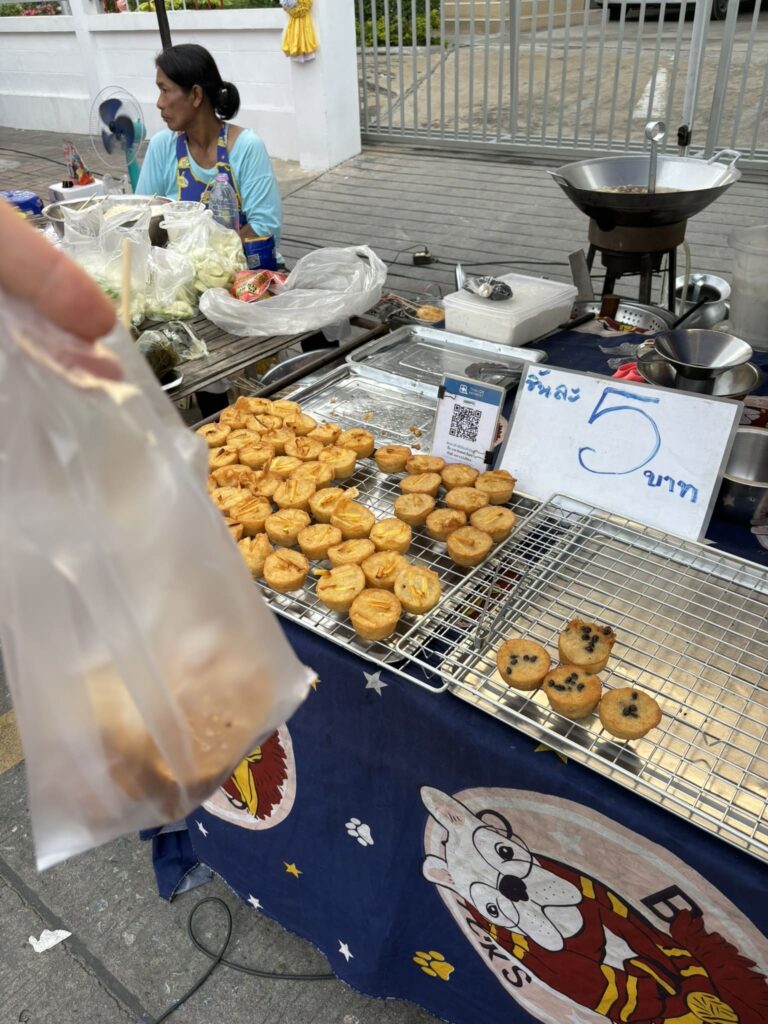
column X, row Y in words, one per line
column 250, row 165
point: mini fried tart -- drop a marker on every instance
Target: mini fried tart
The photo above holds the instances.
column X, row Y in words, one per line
column 360, row 441
column 263, row 483
column 235, row 529
column 522, row 663
column 417, row 589
column 252, row 513
column 343, row 460
column 351, row 552
column 264, row 422
column 326, row 433
column 214, row 434
column 443, row 521
column 629, row 713
column 283, row 407
column 314, row 541
column 300, row 423
column 294, row 494
column 498, row 485
column 278, row 438
column 586, row 645
column 234, row 418
column 571, row 692
column 381, row 569
column 466, row 499
column 391, row 535
column 468, row 546
column 323, row 503
column 284, row 526
column 374, row 614
column 242, row 438
column 353, row 519
column 224, row 456
column 225, row 497
column 425, row 464
column 421, row 483
column 284, row 465
column 232, row 476
column 257, row 455
column 496, row 521
column 414, row 508
column 339, row 587
column 285, row 570
column 320, row 473
column 457, row 474
column 254, row 551
column 253, row 406
column 303, row 448
column 391, row 458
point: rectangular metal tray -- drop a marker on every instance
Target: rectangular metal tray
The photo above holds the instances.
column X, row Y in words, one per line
column 692, row 628
column 417, row 358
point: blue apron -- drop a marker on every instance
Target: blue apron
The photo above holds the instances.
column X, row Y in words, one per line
column 192, row 189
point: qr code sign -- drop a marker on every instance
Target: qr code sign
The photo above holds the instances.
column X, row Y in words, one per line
column 465, row 423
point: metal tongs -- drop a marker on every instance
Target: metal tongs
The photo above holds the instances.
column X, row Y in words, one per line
column 486, row 287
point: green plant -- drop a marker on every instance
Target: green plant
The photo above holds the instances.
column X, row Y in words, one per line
column 403, row 33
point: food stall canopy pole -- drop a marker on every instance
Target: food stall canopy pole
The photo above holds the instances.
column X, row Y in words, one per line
column 701, row 17
column 162, row 23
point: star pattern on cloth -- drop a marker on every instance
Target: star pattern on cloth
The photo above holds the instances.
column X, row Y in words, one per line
column 344, row 950
column 256, row 904
column 292, row 870
column 202, row 828
column 542, row 748
column 373, row 681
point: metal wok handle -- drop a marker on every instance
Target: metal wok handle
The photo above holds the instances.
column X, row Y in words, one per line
column 559, row 178
column 726, row 152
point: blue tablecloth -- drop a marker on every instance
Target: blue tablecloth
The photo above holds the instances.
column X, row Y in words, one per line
column 437, row 855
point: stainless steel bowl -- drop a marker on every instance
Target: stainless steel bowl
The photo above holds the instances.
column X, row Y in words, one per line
column 744, row 490
column 736, row 383
column 713, row 290
column 157, row 234
column 701, row 355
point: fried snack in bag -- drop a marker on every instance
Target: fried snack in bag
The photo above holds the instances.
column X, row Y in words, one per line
column 142, row 661
column 253, row 285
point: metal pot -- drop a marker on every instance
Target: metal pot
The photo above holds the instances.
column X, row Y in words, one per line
column 744, row 490
column 715, row 293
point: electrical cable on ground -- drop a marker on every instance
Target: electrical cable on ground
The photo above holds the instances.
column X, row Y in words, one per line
column 34, row 156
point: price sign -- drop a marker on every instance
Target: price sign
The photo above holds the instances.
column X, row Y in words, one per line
column 651, row 454
column 466, row 421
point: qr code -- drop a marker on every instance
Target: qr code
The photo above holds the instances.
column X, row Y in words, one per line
column 465, row 423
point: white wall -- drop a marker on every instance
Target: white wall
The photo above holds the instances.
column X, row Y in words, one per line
column 51, row 68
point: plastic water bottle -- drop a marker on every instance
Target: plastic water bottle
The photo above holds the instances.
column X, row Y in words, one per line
column 223, row 203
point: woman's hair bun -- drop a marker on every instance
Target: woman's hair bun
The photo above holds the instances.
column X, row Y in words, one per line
column 227, row 101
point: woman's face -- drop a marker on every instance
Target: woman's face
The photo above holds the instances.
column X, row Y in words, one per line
column 178, row 108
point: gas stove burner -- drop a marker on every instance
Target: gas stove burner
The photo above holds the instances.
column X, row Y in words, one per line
column 637, row 251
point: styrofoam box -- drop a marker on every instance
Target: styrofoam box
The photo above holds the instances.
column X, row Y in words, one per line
column 536, row 307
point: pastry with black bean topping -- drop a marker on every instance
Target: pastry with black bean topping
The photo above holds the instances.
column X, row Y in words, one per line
column 522, row 663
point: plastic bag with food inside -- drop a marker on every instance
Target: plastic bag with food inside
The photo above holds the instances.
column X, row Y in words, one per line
column 143, row 663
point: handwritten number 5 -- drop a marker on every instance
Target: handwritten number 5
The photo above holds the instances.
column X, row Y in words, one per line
column 602, row 409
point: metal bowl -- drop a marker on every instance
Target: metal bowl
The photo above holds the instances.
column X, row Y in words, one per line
column 700, row 354
column 634, row 314
column 714, row 290
column 744, row 490
column 736, row 383
column 157, row 234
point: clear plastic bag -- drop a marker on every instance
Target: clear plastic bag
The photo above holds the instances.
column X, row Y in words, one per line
column 142, row 661
column 84, row 222
column 170, row 293
column 215, row 252
column 324, row 287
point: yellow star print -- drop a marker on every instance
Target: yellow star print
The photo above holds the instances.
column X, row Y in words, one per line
column 293, row 870
column 542, row 748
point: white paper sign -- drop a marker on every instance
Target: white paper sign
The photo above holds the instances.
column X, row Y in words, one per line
column 466, row 421
column 651, row 454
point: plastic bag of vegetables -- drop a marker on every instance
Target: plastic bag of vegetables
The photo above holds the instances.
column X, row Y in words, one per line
column 215, row 252
column 171, row 294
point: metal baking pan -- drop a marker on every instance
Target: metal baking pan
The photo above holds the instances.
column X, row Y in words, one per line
column 417, row 359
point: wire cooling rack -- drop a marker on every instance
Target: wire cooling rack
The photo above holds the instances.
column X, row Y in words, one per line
column 692, row 629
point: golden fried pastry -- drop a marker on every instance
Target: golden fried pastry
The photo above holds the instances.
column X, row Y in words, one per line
column 252, row 513
column 264, row 423
column 263, row 483
column 586, row 645
column 254, row 551
column 242, row 438
column 211, row 484
column 424, row 464
column 391, row 535
column 214, row 434
column 374, row 614
column 496, row 521
column 421, row 483
column 572, row 692
column 314, row 541
column 360, row 441
column 320, row 473
column 324, row 502
column 414, row 508
column 294, row 494
column 629, row 713
column 353, row 519
column 522, row 663
column 326, row 433
column 225, row 497
column 417, row 589
column 234, row 418
column 498, row 485
column 299, row 423
column 232, row 476
column 391, row 458
column 235, row 529
column 283, row 407
column 224, row 456
column 257, row 455
column 468, row 546
column 284, row 465
column 278, row 438
column 466, row 499
column 253, row 406
column 442, row 522
column 339, row 587
column 343, row 460
column 303, row 448
column 285, row 570
column 284, row 526
column 351, row 552
column 456, row 474
column 381, row 569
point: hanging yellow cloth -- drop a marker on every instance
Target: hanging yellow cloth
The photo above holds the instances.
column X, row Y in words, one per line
column 299, row 38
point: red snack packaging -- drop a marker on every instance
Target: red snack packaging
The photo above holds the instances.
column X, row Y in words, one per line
column 253, row 285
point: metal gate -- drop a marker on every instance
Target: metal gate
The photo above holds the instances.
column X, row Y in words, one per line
column 561, row 77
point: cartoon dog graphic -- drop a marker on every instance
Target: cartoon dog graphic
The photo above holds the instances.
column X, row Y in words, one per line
column 582, row 939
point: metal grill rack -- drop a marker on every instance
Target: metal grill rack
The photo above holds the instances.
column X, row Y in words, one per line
column 692, row 628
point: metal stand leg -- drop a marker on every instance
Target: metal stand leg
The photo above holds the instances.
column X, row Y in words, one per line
column 591, row 256
column 646, row 279
column 672, row 256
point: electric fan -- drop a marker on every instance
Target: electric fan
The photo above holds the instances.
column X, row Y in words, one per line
column 118, row 132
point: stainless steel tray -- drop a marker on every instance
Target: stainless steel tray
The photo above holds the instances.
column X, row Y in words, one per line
column 417, row 358
column 692, row 626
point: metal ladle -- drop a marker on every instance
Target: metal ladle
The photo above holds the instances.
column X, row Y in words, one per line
column 655, row 132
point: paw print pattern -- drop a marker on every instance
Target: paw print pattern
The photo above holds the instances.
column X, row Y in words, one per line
column 434, row 964
column 359, row 831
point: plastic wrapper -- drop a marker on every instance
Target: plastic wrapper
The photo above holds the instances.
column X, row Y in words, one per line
column 254, row 285
column 142, row 661
column 171, row 293
column 85, row 222
column 324, row 287
column 167, row 346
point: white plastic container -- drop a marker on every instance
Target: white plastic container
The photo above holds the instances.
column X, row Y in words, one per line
column 536, row 307
column 749, row 295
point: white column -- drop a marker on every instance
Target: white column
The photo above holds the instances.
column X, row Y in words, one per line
column 325, row 90
column 80, row 10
